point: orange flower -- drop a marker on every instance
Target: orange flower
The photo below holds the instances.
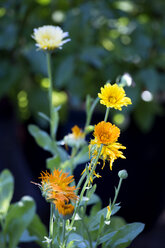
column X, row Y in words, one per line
column 66, row 210
column 55, row 186
column 106, row 133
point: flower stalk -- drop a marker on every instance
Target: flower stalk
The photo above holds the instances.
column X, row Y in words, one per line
column 50, row 245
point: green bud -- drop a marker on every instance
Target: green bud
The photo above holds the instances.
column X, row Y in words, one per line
column 123, row 174
column 89, row 129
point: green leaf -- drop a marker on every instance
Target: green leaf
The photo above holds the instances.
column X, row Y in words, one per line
column 18, row 218
column 38, row 230
column 93, row 199
column 82, row 156
column 117, row 222
column 41, row 138
column 6, row 191
column 95, row 220
column 122, row 237
column 53, row 163
column 27, row 238
column 63, row 154
column 2, row 241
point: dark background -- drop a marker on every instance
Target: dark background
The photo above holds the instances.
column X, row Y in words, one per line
column 115, row 37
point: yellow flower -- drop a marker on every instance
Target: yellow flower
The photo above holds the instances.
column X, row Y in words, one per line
column 113, row 96
column 55, row 187
column 77, row 132
column 49, row 37
column 106, row 135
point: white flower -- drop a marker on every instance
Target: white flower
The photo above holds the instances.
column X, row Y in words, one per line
column 49, row 37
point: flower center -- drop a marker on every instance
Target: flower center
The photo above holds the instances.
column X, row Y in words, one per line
column 112, row 99
column 104, row 137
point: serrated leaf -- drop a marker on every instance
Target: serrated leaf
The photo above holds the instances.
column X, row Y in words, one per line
column 6, row 191
column 19, row 216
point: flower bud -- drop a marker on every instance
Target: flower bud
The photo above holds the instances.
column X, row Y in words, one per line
column 123, row 174
column 89, row 129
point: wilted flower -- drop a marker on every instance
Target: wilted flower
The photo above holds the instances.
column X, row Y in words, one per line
column 113, row 96
column 76, row 138
column 49, row 37
column 106, row 135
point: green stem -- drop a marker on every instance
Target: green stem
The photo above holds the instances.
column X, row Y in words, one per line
column 51, row 225
column 80, row 182
column 106, row 114
column 89, row 115
column 50, row 93
column 4, row 234
column 85, row 184
column 63, row 233
column 116, row 193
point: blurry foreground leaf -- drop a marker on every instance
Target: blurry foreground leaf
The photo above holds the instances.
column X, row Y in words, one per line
column 19, row 217
column 6, row 191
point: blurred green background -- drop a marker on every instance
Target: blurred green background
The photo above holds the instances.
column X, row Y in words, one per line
column 108, row 39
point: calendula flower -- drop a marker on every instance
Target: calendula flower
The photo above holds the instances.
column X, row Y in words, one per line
column 65, row 209
column 76, row 138
column 113, row 96
column 49, row 37
column 106, row 135
column 55, row 186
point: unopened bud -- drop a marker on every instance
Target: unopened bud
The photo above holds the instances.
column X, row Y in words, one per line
column 123, row 174
column 89, row 129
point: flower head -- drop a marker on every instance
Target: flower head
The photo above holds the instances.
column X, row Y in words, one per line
column 65, row 209
column 76, row 138
column 49, row 37
column 113, row 96
column 55, row 186
column 77, row 132
column 106, row 135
